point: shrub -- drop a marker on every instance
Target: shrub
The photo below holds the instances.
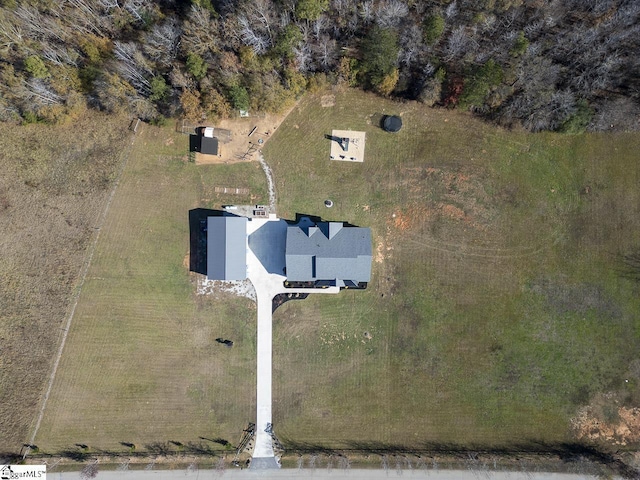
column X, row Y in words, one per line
column 196, row 66
column 36, row 67
column 379, row 55
column 520, row 45
column 388, row 83
column 159, row 89
column 310, row 9
column 478, row 85
column 159, row 121
column 578, row 121
column 433, row 28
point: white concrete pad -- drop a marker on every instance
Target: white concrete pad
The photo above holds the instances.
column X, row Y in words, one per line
column 355, row 147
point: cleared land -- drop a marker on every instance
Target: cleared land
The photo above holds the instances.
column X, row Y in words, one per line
column 499, row 307
column 141, row 365
column 53, row 184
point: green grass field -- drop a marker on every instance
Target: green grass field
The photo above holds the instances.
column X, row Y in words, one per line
column 141, row 364
column 497, row 307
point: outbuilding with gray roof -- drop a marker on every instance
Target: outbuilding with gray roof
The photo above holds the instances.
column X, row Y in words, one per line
column 227, row 248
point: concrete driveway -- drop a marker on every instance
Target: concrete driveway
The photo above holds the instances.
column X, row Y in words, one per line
column 265, row 269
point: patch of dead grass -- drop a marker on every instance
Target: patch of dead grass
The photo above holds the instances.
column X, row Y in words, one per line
column 54, row 182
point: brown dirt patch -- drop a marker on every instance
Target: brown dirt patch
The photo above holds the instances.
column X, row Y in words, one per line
column 328, row 100
column 235, row 150
column 626, row 430
column 607, row 421
column 452, row 212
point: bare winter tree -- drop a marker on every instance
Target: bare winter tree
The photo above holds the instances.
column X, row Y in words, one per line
column 139, row 9
column 257, row 21
column 319, row 26
column 456, row 43
column 41, row 94
column 90, row 17
column 326, row 53
column 252, row 37
column 451, row 10
column 200, row 32
column 389, row 13
column 59, row 55
column 50, row 27
column 133, row 66
column 303, row 57
column 89, row 471
column 411, row 45
column 367, row 12
column 161, row 43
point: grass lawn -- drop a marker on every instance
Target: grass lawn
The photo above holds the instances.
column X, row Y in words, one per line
column 497, row 308
column 54, row 182
column 141, row 364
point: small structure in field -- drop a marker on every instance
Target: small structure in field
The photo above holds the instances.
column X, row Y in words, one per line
column 347, row 145
column 208, row 140
column 392, row 123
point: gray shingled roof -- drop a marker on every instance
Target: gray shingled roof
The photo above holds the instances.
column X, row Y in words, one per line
column 208, row 146
column 227, row 248
column 328, row 251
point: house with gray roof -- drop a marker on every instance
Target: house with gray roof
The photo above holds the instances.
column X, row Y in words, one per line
column 227, row 248
column 328, row 252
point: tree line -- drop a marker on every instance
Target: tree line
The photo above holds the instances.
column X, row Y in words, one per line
column 567, row 65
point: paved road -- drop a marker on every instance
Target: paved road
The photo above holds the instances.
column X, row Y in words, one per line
column 265, row 267
column 320, row 474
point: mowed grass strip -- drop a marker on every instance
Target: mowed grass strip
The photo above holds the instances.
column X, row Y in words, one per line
column 54, row 182
column 141, row 364
column 497, row 307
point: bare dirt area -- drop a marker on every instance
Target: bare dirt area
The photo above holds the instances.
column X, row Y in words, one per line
column 54, row 183
column 606, row 421
column 248, row 135
column 328, row 100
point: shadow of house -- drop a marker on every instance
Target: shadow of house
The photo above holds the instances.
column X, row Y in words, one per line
column 198, row 238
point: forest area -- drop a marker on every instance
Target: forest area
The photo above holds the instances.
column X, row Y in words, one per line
column 563, row 65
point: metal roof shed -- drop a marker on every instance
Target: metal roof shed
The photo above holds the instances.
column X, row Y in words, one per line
column 227, row 248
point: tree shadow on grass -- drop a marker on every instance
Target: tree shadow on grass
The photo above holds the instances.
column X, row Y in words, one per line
column 566, row 452
column 629, row 265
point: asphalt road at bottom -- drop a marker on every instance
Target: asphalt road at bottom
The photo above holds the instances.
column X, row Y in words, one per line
column 319, row 474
